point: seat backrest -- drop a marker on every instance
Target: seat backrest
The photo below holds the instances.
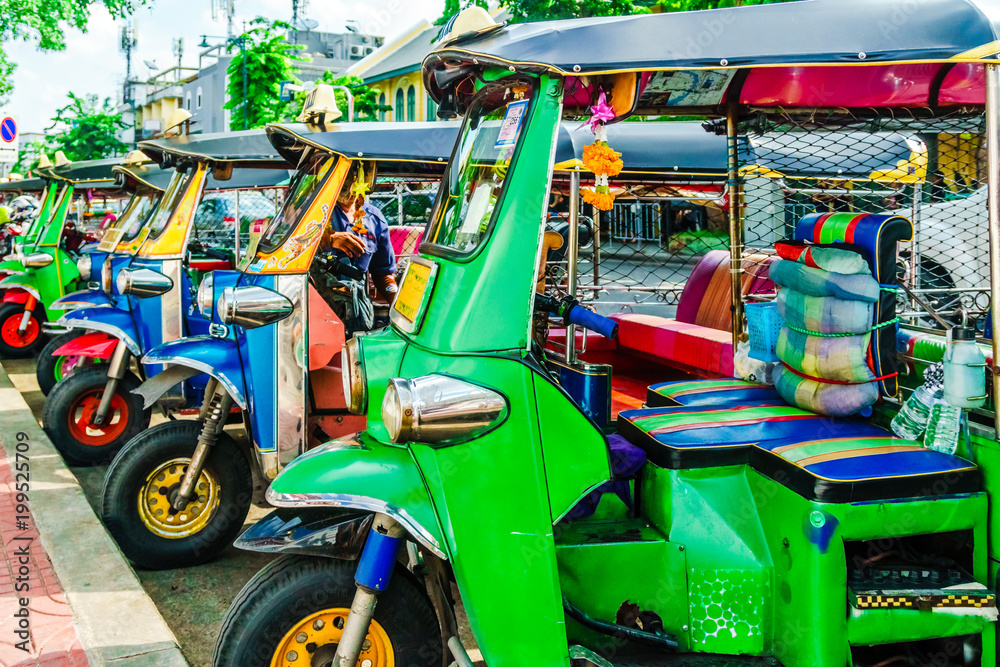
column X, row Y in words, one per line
column 875, row 236
column 706, row 298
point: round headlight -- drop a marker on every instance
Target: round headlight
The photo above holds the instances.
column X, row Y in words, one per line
column 206, row 295
column 106, row 276
column 397, row 410
column 226, row 307
column 352, row 372
column 123, row 280
column 84, row 266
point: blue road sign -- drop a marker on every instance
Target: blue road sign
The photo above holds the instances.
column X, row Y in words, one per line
column 8, row 130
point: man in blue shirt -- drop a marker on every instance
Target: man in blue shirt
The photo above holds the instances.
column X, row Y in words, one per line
column 365, row 241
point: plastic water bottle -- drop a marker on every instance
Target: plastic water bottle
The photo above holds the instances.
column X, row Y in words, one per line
column 943, row 427
column 911, row 420
column 964, row 370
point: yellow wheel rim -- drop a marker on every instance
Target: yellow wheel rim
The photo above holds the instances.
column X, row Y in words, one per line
column 313, row 641
column 161, row 488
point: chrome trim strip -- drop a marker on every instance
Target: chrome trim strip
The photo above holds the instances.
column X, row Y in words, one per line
column 27, row 288
column 359, row 502
column 291, row 369
column 204, row 368
column 71, row 323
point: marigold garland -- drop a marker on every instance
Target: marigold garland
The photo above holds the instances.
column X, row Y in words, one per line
column 600, row 159
column 602, row 201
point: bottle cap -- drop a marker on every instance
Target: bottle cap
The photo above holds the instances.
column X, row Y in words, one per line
column 963, row 333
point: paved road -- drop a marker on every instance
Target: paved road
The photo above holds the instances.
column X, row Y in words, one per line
column 191, row 600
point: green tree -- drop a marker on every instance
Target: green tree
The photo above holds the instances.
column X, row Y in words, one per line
column 270, row 60
column 28, row 155
column 44, row 23
column 87, row 129
column 366, row 106
column 544, row 10
column 452, row 7
column 689, row 5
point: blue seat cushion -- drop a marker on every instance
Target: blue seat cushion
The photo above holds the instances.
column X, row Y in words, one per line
column 700, row 437
column 838, row 469
column 708, row 393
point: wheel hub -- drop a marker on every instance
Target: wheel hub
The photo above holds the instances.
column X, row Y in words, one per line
column 13, row 337
column 159, row 492
column 313, row 643
column 81, row 419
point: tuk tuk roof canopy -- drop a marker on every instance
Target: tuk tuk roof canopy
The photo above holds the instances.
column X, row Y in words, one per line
column 90, row 173
column 23, row 185
column 811, row 53
column 247, row 148
column 245, row 179
column 428, row 142
column 149, row 175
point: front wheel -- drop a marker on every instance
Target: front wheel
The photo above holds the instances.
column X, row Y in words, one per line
column 293, row 611
column 52, row 368
column 142, row 483
column 69, row 410
column 14, row 343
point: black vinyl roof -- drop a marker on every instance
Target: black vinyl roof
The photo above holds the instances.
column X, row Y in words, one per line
column 149, row 175
column 807, row 34
column 89, row 173
column 660, row 147
column 23, row 185
column 247, row 148
column 251, row 178
column 427, row 142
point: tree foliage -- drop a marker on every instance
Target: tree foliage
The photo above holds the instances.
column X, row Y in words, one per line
column 87, row 129
column 690, row 5
column 270, row 60
column 452, row 7
column 544, row 10
column 44, row 23
column 28, row 155
column 366, row 106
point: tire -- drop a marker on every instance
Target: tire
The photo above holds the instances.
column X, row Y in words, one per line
column 51, row 369
column 65, row 417
column 282, row 599
column 14, row 345
column 175, row 539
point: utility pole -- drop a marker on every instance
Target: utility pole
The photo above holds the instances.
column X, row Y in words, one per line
column 126, row 45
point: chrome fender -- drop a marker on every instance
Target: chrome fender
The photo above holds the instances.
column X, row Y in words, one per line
column 24, row 282
column 342, row 473
column 108, row 319
column 81, row 299
column 218, row 357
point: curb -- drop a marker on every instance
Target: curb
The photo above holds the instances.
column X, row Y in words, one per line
column 118, row 624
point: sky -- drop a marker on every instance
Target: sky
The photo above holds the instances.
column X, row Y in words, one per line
column 92, row 63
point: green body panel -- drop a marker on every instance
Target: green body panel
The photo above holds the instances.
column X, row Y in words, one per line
column 986, row 454
column 11, row 266
column 484, row 304
column 48, row 201
column 382, row 352
column 570, row 472
column 373, row 470
column 26, row 280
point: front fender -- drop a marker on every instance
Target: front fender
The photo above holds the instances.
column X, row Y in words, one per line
column 12, row 267
column 331, row 532
column 24, row 282
column 341, row 474
column 95, row 344
column 108, row 319
column 81, row 299
column 216, row 356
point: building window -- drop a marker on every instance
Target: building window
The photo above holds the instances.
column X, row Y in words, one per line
column 187, row 101
column 432, row 109
column 399, row 114
column 381, row 103
column 411, row 104
column 198, row 98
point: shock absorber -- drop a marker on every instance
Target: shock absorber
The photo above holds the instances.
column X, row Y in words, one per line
column 213, row 414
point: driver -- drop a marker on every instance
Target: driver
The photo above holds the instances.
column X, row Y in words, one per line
column 357, row 230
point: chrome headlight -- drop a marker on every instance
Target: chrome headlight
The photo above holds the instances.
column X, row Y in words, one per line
column 37, row 260
column 352, row 372
column 440, row 410
column 143, row 283
column 206, row 295
column 251, row 306
column 84, row 265
column 106, row 276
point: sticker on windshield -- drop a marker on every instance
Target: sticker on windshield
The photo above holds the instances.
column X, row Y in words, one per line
column 511, row 126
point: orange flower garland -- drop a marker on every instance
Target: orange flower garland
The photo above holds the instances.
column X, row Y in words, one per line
column 600, row 159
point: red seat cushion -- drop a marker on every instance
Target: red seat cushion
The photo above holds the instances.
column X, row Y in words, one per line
column 691, row 345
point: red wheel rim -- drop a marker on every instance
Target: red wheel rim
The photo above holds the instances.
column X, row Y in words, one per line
column 81, row 414
column 13, row 338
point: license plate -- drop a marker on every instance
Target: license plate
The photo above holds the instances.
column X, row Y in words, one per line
column 110, row 240
column 411, row 294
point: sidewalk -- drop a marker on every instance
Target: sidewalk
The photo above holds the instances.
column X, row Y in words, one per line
column 83, row 605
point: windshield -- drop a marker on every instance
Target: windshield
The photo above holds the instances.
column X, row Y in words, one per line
column 171, row 199
column 215, row 219
column 476, row 175
column 310, row 176
column 135, row 215
column 39, row 235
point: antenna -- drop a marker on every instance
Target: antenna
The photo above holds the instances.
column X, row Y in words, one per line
column 178, row 49
column 226, row 8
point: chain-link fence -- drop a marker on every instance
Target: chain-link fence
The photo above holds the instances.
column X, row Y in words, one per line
column 216, row 216
column 406, row 206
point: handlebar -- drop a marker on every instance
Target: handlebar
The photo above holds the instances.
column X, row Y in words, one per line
column 341, row 266
column 573, row 313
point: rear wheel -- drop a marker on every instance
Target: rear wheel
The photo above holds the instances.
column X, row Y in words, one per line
column 69, row 411
column 142, row 483
column 292, row 613
column 52, row 369
column 15, row 344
